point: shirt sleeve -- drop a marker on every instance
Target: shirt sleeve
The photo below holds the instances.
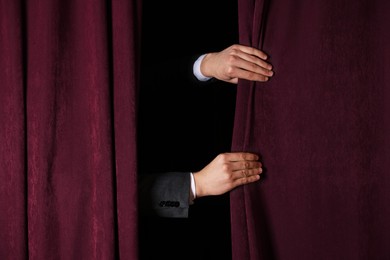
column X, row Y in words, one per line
column 192, row 190
column 196, row 69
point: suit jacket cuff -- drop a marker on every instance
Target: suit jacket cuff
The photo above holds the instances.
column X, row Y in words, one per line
column 165, row 194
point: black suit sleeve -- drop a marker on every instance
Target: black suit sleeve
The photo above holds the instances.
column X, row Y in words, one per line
column 164, row 194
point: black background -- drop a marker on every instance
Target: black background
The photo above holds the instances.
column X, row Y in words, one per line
column 183, row 126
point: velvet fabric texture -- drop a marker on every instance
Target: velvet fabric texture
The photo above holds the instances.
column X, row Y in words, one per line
column 68, row 103
column 321, row 125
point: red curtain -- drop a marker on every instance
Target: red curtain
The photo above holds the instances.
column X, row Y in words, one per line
column 68, row 103
column 321, row 125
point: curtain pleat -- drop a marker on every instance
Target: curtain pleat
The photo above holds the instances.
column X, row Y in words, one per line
column 126, row 54
column 13, row 163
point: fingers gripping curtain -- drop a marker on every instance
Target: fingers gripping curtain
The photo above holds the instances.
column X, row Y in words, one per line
column 321, row 126
column 245, row 238
column 68, row 107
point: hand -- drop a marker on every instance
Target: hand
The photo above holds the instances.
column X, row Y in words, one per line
column 226, row 172
column 237, row 62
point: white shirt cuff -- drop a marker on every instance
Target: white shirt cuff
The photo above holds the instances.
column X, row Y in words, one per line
column 192, row 190
column 196, row 69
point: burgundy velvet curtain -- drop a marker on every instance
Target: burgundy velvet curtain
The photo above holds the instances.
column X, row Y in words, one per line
column 321, row 125
column 68, row 102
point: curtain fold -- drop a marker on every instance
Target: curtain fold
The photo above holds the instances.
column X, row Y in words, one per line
column 321, row 127
column 13, row 229
column 68, row 129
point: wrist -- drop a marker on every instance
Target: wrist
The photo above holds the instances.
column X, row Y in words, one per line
column 204, row 65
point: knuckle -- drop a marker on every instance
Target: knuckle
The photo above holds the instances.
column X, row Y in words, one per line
column 230, row 71
column 234, row 51
column 225, row 167
column 222, row 157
